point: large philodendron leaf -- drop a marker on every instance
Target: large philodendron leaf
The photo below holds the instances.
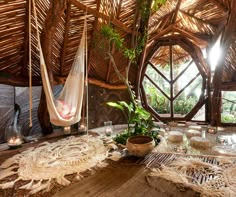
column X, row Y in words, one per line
column 130, row 106
column 116, row 105
column 142, row 113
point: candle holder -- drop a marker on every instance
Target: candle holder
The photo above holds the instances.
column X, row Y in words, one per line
column 181, row 149
column 82, row 128
column 212, row 130
column 222, row 139
column 14, row 137
column 67, row 130
column 108, row 128
column 83, row 125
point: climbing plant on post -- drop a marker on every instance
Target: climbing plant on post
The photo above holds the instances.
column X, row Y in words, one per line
column 136, row 52
column 137, row 115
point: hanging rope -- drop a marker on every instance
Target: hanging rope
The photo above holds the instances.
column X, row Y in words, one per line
column 30, row 71
column 86, row 70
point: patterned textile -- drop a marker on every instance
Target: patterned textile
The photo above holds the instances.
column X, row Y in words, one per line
column 209, row 176
column 52, row 161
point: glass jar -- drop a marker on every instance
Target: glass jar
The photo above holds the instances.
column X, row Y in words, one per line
column 67, row 130
column 108, row 128
column 212, row 129
column 14, row 136
column 82, row 125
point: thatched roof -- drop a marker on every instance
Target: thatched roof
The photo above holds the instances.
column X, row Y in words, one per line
column 198, row 22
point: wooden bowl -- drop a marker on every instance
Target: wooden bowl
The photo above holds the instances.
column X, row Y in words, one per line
column 140, row 146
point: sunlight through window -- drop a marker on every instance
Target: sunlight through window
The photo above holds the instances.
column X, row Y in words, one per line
column 215, row 54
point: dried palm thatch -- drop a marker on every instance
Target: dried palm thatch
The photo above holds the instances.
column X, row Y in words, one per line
column 199, row 21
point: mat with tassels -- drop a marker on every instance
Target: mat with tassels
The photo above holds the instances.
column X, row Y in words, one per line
column 39, row 168
column 207, row 175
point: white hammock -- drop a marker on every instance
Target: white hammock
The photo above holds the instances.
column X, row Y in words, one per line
column 66, row 109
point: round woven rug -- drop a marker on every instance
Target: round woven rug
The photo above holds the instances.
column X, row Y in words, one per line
column 52, row 161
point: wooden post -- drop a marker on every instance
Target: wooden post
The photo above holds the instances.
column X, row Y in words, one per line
column 171, row 83
column 143, row 30
column 226, row 41
column 53, row 17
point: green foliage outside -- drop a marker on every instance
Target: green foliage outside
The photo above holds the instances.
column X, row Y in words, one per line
column 183, row 105
column 228, row 118
column 185, row 102
column 228, row 114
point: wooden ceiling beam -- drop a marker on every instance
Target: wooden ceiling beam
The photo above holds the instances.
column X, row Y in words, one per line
column 228, row 86
column 20, row 81
column 165, row 15
column 61, row 80
column 65, row 40
column 191, row 35
column 93, row 35
column 162, row 33
column 98, row 14
column 219, row 5
column 26, row 38
column 176, row 12
column 105, row 85
column 119, row 9
column 192, row 16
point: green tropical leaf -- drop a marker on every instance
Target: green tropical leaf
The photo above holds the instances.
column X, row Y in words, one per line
column 116, row 105
column 127, row 106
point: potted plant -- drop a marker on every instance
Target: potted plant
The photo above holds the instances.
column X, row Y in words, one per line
column 139, row 121
column 139, row 137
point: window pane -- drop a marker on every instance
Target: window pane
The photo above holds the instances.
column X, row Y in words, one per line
column 185, row 78
column 163, row 90
column 181, row 59
column 158, row 80
column 156, row 99
column 185, row 102
column 228, row 114
column 161, row 60
column 200, row 115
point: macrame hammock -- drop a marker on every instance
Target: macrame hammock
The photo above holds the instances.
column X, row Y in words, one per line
column 66, row 109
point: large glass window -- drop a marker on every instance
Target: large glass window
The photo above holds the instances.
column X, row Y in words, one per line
column 172, row 83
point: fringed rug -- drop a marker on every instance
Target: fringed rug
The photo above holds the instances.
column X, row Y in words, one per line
column 50, row 162
column 208, row 176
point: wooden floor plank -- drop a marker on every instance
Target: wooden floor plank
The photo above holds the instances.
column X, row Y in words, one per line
column 122, row 180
